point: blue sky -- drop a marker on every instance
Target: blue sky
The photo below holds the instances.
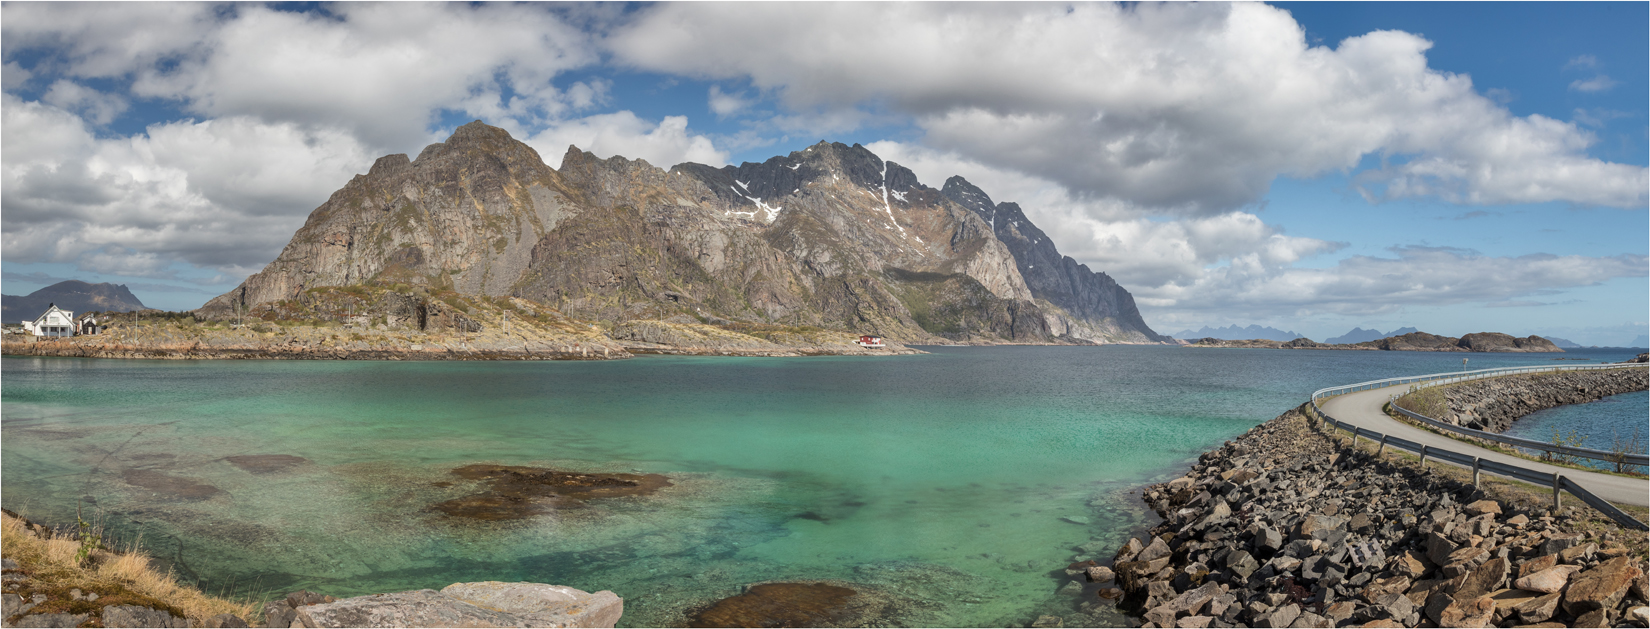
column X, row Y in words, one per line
column 1455, row 167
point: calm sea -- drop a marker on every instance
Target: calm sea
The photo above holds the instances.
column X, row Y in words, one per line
column 959, row 482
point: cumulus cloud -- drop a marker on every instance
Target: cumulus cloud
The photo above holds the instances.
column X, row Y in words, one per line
column 725, row 104
column 381, row 71
column 623, row 133
column 97, row 107
column 184, row 191
column 1186, row 108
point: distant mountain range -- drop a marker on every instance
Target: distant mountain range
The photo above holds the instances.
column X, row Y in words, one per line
column 1564, row 343
column 1234, row 333
column 73, row 295
column 1359, row 335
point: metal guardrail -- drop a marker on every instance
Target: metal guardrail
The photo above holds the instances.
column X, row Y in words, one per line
column 1612, row 457
column 1556, row 481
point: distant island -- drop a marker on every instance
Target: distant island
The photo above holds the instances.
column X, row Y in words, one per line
column 72, row 295
column 1411, row 342
column 1360, row 335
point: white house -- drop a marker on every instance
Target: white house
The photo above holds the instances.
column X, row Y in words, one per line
column 55, row 322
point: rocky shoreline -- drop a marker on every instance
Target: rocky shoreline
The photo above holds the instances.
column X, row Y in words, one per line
column 1286, row 527
column 1492, row 404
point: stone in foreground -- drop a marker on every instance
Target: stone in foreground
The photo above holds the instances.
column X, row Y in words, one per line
column 484, row 604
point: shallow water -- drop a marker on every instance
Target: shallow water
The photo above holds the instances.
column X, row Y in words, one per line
column 956, row 484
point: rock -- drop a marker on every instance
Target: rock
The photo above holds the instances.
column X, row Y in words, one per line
column 1128, row 551
column 1192, row 601
column 1268, row 541
column 1309, row 619
column 1482, row 507
column 1518, row 521
column 1595, row 618
column 1538, row 609
column 1318, row 526
column 1601, row 587
column 1393, row 605
column 224, row 621
column 417, row 608
column 1578, row 553
column 1161, row 615
column 278, row 614
column 306, row 597
column 1099, row 574
column 1076, row 519
column 1537, row 565
column 55, row 620
column 1468, row 613
column 1242, row 564
column 7, row 564
column 1282, row 616
column 1410, row 565
column 1547, row 581
column 1155, row 550
column 789, row 604
column 1194, row 622
column 1483, row 580
column 1049, row 622
column 135, row 616
column 552, row 603
column 1640, row 615
column 1110, row 594
column 1439, row 548
column 1339, row 612
column 1560, row 542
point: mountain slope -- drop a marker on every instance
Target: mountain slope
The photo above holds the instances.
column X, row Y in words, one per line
column 1360, row 335
column 72, row 295
column 829, row 237
column 1091, row 305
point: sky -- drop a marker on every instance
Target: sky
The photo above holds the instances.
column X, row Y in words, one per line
column 1455, row 167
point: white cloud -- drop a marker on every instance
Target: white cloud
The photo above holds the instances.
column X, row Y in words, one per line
column 381, row 70
column 1598, row 83
column 724, row 104
column 97, row 107
column 224, row 194
column 1582, row 61
column 1180, row 107
column 623, row 133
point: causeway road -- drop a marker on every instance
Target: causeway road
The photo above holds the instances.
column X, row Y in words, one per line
column 1363, row 409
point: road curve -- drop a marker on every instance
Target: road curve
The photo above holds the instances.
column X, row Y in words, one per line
column 1363, row 409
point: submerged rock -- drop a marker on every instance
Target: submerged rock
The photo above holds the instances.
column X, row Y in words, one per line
column 266, row 463
column 167, row 484
column 782, row 605
column 516, row 492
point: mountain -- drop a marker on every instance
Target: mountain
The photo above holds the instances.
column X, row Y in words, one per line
column 1360, row 335
column 1640, row 341
column 73, row 295
column 1234, row 333
column 828, row 237
column 1563, row 343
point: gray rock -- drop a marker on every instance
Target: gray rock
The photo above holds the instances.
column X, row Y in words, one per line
column 10, row 605
column 135, row 616
column 224, row 621
column 1242, row 564
column 51, row 620
column 7, row 564
column 278, row 614
column 482, row 604
column 1282, row 616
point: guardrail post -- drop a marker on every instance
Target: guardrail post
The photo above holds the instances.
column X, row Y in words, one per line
column 1423, row 456
column 1381, row 449
column 1354, row 437
column 1556, row 485
column 1474, row 471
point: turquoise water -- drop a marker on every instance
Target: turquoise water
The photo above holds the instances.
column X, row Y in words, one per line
column 959, row 483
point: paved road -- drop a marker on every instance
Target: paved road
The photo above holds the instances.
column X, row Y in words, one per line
column 1363, row 409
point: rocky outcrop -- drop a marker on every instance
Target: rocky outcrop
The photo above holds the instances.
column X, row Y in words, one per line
column 1283, row 527
column 1492, row 404
column 829, row 237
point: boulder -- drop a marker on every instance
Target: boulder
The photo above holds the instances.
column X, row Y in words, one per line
column 51, row 620
column 1539, row 609
column 1601, row 587
column 1484, row 506
column 1468, row 613
column 1547, row 581
column 558, row 605
column 1155, row 550
column 135, row 616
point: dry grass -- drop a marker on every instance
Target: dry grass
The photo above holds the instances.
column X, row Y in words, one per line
column 118, row 578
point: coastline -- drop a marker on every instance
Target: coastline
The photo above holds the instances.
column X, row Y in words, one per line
column 1289, row 526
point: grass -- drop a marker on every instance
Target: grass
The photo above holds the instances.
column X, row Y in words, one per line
column 1518, row 494
column 121, row 577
